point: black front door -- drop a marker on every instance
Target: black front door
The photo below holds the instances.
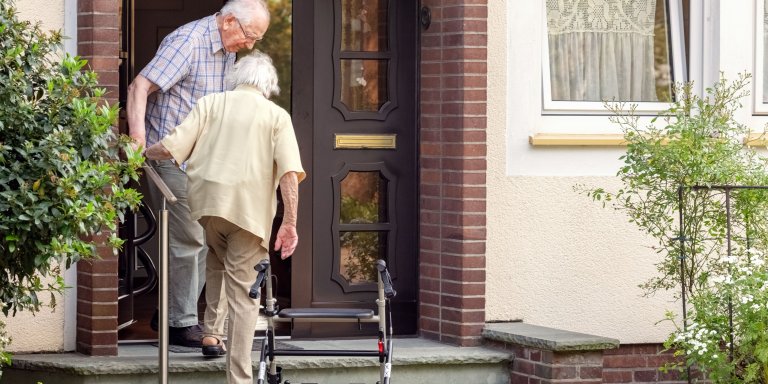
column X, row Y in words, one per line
column 355, row 112
column 352, row 86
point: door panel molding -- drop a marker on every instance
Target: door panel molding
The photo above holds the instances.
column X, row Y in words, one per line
column 387, row 226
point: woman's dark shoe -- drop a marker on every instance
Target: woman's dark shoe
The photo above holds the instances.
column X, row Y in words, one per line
column 215, row 350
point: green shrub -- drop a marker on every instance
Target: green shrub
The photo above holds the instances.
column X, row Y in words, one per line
column 62, row 180
column 698, row 142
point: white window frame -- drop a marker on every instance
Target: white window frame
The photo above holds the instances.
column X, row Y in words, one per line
column 759, row 106
column 679, row 65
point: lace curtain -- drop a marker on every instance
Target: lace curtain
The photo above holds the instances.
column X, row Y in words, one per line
column 601, row 49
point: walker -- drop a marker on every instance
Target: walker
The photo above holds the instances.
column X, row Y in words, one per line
column 273, row 373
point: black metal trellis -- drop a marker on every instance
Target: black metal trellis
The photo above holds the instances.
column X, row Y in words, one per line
column 727, row 189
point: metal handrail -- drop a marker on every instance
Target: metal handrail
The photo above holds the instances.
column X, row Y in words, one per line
column 162, row 325
column 167, row 194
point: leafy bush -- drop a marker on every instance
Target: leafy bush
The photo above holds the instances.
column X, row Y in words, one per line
column 717, row 258
column 5, row 340
column 61, row 177
column 705, row 341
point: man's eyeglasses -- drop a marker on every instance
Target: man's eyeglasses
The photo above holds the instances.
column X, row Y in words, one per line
column 248, row 35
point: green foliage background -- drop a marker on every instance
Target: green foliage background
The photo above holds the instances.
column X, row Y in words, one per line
column 61, row 178
column 278, row 44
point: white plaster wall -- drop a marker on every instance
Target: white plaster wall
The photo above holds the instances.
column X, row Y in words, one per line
column 554, row 257
column 42, row 332
column 45, row 330
column 49, row 12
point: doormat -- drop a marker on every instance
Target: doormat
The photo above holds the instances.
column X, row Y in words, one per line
column 256, row 347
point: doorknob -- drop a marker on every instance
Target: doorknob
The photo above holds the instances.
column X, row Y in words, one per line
column 425, row 17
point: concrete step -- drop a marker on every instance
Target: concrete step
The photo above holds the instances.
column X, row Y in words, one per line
column 415, row 361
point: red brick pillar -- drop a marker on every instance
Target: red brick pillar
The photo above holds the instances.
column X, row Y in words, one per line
column 98, row 24
column 533, row 365
column 453, row 171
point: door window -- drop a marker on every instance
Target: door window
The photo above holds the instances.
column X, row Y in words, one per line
column 363, row 61
column 363, row 84
column 363, row 225
column 364, row 25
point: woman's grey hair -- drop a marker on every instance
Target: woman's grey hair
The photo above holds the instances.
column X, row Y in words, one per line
column 245, row 10
column 254, row 69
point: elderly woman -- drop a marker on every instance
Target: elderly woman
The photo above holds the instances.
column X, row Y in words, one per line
column 238, row 146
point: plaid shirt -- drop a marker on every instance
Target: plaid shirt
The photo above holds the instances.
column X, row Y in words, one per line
column 189, row 64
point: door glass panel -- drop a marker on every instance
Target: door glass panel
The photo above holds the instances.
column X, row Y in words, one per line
column 363, row 198
column 364, row 84
column 359, row 252
column 364, row 25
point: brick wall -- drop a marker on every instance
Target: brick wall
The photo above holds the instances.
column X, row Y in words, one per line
column 638, row 363
column 630, row 363
column 453, row 171
column 97, row 41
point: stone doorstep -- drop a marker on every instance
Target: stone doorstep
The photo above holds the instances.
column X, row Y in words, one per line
column 556, row 340
column 142, row 358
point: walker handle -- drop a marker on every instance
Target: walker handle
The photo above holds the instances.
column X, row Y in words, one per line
column 386, row 279
column 261, row 268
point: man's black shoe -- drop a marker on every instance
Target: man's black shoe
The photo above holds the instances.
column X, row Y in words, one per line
column 155, row 319
column 191, row 336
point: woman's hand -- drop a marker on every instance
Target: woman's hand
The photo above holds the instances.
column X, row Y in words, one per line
column 286, row 240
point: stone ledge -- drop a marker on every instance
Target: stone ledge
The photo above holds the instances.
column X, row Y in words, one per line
column 143, row 359
column 552, row 339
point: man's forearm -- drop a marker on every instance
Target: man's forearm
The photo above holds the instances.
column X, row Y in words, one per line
column 136, row 107
column 289, row 188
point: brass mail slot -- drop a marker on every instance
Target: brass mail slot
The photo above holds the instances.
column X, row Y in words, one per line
column 365, row 141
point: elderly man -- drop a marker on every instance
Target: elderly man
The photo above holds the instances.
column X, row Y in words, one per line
column 238, row 146
column 190, row 63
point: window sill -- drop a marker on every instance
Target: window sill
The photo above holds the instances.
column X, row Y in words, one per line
column 577, row 140
column 754, row 139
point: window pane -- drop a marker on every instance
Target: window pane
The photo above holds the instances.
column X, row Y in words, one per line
column 363, row 198
column 364, row 25
column 605, row 50
column 359, row 251
column 765, row 51
column 363, row 84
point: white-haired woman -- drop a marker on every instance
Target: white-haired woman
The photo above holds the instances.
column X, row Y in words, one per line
column 239, row 147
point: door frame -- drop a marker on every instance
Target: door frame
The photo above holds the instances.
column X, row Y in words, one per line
column 454, row 49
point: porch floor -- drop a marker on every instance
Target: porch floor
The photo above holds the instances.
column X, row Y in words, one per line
column 415, row 360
